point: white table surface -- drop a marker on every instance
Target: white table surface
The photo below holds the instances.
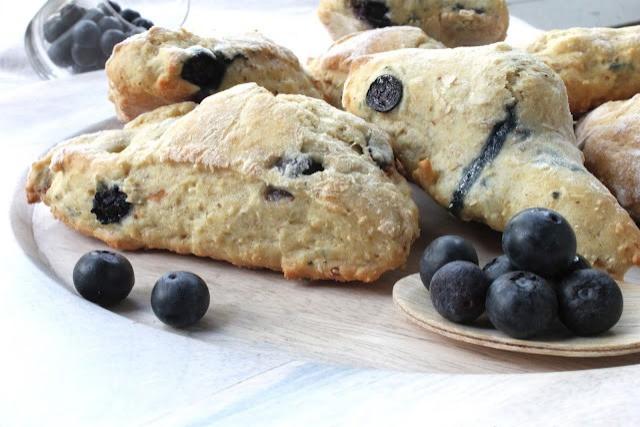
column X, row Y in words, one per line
column 66, row 362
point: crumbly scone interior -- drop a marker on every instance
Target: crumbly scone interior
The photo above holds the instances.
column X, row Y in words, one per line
column 228, row 179
column 488, row 133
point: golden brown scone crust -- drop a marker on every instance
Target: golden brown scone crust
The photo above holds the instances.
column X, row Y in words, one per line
column 453, row 22
column 144, row 71
column 331, row 69
column 487, row 132
column 228, row 180
column 596, row 64
column 610, row 137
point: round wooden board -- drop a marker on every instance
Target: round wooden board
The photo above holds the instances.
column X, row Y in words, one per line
column 412, row 298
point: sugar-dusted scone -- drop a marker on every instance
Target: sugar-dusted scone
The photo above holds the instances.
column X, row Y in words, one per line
column 596, row 64
column 282, row 182
column 610, row 137
column 161, row 67
column 453, row 22
column 487, row 132
column 331, row 69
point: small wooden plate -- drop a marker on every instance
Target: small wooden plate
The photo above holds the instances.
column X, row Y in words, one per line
column 413, row 299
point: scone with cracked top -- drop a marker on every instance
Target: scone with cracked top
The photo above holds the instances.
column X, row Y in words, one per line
column 453, row 22
column 596, row 64
column 161, row 67
column 610, row 140
column 487, row 132
column 331, row 69
column 283, row 182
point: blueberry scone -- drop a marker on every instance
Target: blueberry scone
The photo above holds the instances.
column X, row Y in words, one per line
column 161, row 67
column 487, row 132
column 610, row 137
column 453, row 22
column 331, row 69
column 596, row 64
column 282, row 182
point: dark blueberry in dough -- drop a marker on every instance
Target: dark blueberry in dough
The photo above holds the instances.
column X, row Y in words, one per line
column 458, row 291
column 384, row 93
column 296, row 165
column 590, row 302
column 273, row 194
column 497, row 267
column 109, row 23
column 521, row 304
column 541, row 241
column 143, row 23
column 103, row 277
column 375, row 13
column 442, row 251
column 85, row 56
column 60, row 50
column 86, row 34
column 205, row 69
column 94, row 15
column 109, row 39
column 180, row 299
column 110, row 205
column 130, row 15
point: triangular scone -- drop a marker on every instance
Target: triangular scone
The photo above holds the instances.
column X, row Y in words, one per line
column 487, row 132
column 161, row 67
column 283, row 182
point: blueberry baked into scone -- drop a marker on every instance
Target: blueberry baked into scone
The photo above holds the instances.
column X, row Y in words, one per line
column 610, row 140
column 487, row 132
column 284, row 182
column 161, row 67
column 453, row 22
column 331, row 69
column 596, row 64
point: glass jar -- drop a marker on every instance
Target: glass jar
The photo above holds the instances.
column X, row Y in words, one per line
column 75, row 36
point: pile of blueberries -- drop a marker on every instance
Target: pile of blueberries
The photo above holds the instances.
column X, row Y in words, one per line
column 179, row 298
column 83, row 39
column 538, row 280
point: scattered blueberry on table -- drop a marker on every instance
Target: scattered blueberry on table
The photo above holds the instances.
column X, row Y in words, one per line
column 103, row 277
column 539, row 279
column 82, row 39
column 180, row 299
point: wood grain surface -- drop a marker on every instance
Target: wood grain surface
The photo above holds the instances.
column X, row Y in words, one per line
column 412, row 298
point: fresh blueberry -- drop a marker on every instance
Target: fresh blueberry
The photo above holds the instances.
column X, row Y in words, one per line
column 180, row 299
column 85, row 56
column 374, row 12
column 442, row 251
column 204, row 68
column 130, row 15
column 579, row 263
column 60, row 50
column 497, row 267
column 93, row 14
column 385, row 93
column 86, row 34
column 109, row 23
column 110, row 204
column 590, row 302
column 541, row 241
column 142, row 23
column 70, row 14
column 458, row 291
column 109, row 39
column 105, row 9
column 521, row 304
column 115, row 6
column 103, row 277
column 53, row 28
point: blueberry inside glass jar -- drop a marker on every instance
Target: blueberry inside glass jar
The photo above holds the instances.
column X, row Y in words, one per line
column 75, row 36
